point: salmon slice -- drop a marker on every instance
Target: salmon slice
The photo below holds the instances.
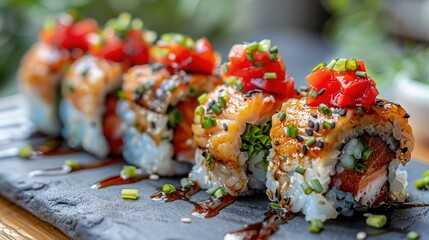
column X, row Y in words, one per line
column 374, row 180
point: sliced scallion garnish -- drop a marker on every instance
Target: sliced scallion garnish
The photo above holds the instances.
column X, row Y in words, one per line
column 258, row 64
column 129, row 171
column 220, row 193
column 306, row 187
column 348, row 161
column 239, row 86
column 351, row 64
column 291, row 131
column 366, row 154
column 231, row 81
column 25, row 151
column 360, row 74
column 199, row 110
column 202, row 98
column 221, row 101
column 361, row 168
column 422, row 183
column 250, row 56
column 225, row 68
column 274, row 49
column 130, row 194
column 216, row 109
column 376, row 221
column 251, row 47
column 320, row 65
column 413, row 235
column 316, row 186
column 361, row 110
column 168, row 188
column 208, row 122
column 281, row 116
column 331, row 64
column 324, row 109
column 316, row 225
column 300, row 170
column 185, row 183
column 270, row 75
column 73, row 164
column 275, row 205
column 265, row 45
column 310, row 142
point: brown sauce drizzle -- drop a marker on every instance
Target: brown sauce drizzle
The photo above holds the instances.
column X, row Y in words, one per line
column 262, row 230
column 118, row 180
column 51, row 147
column 66, row 169
column 206, row 209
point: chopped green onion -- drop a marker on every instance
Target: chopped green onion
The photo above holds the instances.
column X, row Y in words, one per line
column 426, row 174
column 316, row 226
column 422, row 183
column 274, row 49
column 250, row 56
column 221, row 101
column 360, row 74
column 331, row 64
column 192, row 90
column 252, row 46
column 366, row 154
column 281, row 116
column 225, row 68
column 168, row 188
column 306, row 187
column 25, row 151
column 351, row 64
column 310, row 142
column 130, row 194
column 413, row 235
column 327, row 125
column 275, row 205
column 199, row 110
column 340, row 65
column 239, row 86
column 361, row 168
column 73, row 164
column 165, row 137
column 208, row 122
column 316, row 186
column 361, row 110
column 348, row 161
column 231, row 81
column 185, row 183
column 324, row 109
column 121, row 94
column 376, row 221
column 175, row 117
column 202, row 98
column 172, row 87
column 216, row 109
column 273, row 57
column 304, row 89
column 270, row 75
column 212, row 190
column 258, row 64
column 320, row 65
column 70, row 87
column 300, row 170
column 265, row 45
column 147, row 86
column 291, row 131
column 137, row 23
column 313, row 93
column 129, row 171
column 220, row 193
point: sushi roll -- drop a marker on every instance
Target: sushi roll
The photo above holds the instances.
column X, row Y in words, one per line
column 340, row 147
column 90, row 86
column 62, row 40
column 159, row 103
column 232, row 123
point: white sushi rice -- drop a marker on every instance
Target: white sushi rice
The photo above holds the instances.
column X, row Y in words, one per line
column 323, row 206
column 43, row 114
column 232, row 179
column 142, row 151
column 80, row 131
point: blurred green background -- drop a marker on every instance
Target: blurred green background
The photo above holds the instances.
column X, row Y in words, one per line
column 387, row 34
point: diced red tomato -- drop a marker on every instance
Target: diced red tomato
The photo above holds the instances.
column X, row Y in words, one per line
column 252, row 70
column 111, row 125
column 69, row 36
column 132, row 49
column 342, row 89
column 198, row 57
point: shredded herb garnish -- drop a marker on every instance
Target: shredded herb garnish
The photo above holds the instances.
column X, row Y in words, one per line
column 256, row 139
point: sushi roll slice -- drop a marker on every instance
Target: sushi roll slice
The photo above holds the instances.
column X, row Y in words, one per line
column 232, row 123
column 159, row 104
column 62, row 40
column 339, row 148
column 90, row 86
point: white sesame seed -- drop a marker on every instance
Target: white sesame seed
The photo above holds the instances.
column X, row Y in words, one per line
column 185, row 220
column 154, row 177
column 361, row 235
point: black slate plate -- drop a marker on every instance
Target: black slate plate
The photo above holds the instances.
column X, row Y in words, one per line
column 68, row 203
